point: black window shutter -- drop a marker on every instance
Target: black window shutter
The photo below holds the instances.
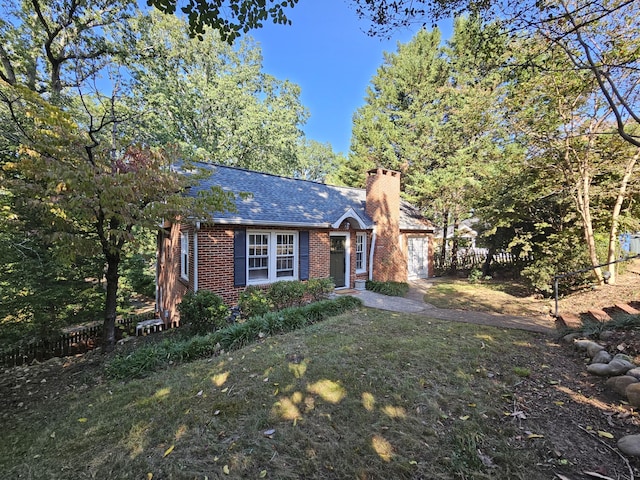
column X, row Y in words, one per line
column 303, row 246
column 239, row 258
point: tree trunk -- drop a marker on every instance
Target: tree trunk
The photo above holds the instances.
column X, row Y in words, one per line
column 615, row 216
column 443, row 247
column 454, row 246
column 486, row 266
column 583, row 201
column 111, row 303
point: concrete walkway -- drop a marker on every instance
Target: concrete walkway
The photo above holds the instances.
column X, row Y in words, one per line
column 413, row 303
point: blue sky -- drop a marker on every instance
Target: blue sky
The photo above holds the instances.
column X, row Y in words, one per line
column 327, row 52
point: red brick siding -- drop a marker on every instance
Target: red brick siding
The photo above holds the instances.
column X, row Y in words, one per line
column 383, row 206
column 215, row 263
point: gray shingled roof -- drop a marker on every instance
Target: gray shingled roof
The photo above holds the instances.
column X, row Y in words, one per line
column 283, row 201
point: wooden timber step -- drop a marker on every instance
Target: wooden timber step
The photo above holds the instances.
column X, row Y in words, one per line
column 599, row 315
column 626, row 308
column 568, row 320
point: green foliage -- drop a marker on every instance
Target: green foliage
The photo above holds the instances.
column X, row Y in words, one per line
column 393, row 289
column 138, row 275
column 229, row 18
column 319, row 288
column 203, row 312
column 148, row 358
column 253, row 301
column 215, row 102
column 475, row 275
column 286, row 293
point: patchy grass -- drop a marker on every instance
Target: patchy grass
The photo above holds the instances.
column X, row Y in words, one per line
column 488, row 296
column 367, row 395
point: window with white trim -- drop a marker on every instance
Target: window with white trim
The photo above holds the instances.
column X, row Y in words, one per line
column 258, row 257
column 271, row 256
column 361, row 252
column 184, row 255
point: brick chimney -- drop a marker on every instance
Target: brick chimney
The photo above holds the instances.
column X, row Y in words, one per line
column 383, row 206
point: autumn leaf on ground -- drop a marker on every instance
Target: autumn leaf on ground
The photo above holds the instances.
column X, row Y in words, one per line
column 225, row 469
column 168, row 451
column 602, row 433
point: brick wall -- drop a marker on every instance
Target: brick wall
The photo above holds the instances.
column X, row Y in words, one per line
column 215, row 263
column 383, row 206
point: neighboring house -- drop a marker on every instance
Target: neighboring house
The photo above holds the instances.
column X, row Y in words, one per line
column 290, row 229
column 464, row 232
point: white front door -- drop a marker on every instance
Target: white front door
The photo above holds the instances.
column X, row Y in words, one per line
column 418, row 257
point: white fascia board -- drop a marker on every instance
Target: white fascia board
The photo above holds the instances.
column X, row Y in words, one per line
column 268, row 223
column 351, row 213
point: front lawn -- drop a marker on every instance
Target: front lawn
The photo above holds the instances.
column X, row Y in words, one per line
column 366, row 395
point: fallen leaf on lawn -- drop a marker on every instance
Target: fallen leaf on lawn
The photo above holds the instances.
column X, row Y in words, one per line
column 602, row 433
column 82, row 420
column 269, row 433
column 472, row 405
column 464, row 417
column 553, row 382
column 168, row 450
column 217, row 412
column 225, row 390
column 263, row 473
column 535, row 435
column 149, row 476
column 597, row 475
column 413, row 462
column 199, row 394
column 225, row 469
column 53, row 435
column 559, row 403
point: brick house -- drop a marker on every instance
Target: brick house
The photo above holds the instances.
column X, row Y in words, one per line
column 290, row 229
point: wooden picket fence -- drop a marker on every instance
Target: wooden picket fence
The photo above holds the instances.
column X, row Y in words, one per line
column 475, row 258
column 72, row 342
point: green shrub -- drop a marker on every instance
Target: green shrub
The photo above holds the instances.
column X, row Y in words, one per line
column 152, row 357
column 203, row 312
column 475, row 275
column 393, row 289
column 253, row 302
column 319, row 288
column 284, row 294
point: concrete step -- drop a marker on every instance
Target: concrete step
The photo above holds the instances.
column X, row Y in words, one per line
column 626, row 308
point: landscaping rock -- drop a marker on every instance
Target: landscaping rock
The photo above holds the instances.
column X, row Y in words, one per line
column 600, row 369
column 630, row 445
column 619, row 384
column 634, row 372
column 624, row 357
column 633, row 394
column 593, row 348
column 611, row 369
column 589, row 346
column 619, row 366
column 601, row 357
column 571, row 337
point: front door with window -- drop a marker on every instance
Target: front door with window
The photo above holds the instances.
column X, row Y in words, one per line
column 338, row 260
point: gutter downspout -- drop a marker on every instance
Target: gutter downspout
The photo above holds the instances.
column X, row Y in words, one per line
column 373, row 248
column 195, row 258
